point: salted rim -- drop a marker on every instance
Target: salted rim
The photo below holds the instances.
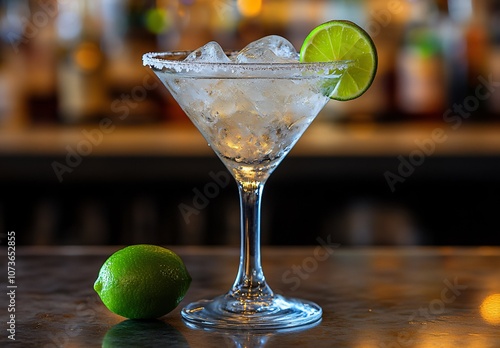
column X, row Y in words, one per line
column 172, row 62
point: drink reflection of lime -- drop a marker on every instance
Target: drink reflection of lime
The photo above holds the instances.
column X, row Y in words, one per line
column 343, row 40
column 142, row 281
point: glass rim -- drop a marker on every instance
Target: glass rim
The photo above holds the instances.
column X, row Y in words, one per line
column 173, row 61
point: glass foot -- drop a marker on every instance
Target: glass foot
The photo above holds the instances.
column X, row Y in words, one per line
column 227, row 312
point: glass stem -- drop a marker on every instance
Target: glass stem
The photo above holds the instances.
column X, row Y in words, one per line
column 250, row 283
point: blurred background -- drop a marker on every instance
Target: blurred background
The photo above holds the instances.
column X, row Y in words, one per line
column 93, row 150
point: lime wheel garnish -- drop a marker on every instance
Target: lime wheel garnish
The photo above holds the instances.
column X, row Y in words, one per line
column 343, row 40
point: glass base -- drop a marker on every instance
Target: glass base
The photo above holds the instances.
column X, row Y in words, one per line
column 227, row 312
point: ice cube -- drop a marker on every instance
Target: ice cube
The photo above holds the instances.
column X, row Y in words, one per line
column 209, row 53
column 269, row 49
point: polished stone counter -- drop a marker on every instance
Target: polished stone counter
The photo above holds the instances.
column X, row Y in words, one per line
column 382, row 297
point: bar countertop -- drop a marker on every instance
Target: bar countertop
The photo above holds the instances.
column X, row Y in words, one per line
column 371, row 297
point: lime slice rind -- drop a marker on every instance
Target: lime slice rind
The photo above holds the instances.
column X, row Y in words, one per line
column 343, row 40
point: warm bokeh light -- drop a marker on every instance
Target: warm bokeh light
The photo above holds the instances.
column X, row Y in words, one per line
column 88, row 56
column 249, row 8
column 490, row 309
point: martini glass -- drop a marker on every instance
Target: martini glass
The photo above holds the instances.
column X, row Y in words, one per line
column 251, row 114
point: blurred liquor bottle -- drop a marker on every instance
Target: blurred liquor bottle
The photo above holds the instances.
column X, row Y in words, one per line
column 466, row 45
column 454, row 33
column 477, row 48
column 421, row 88
column 493, row 69
column 13, row 15
column 81, row 87
column 36, row 47
column 5, row 107
column 132, row 28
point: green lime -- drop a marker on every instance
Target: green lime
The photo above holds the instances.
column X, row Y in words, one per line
column 343, row 40
column 142, row 281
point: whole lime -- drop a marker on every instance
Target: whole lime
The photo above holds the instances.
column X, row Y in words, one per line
column 142, row 281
